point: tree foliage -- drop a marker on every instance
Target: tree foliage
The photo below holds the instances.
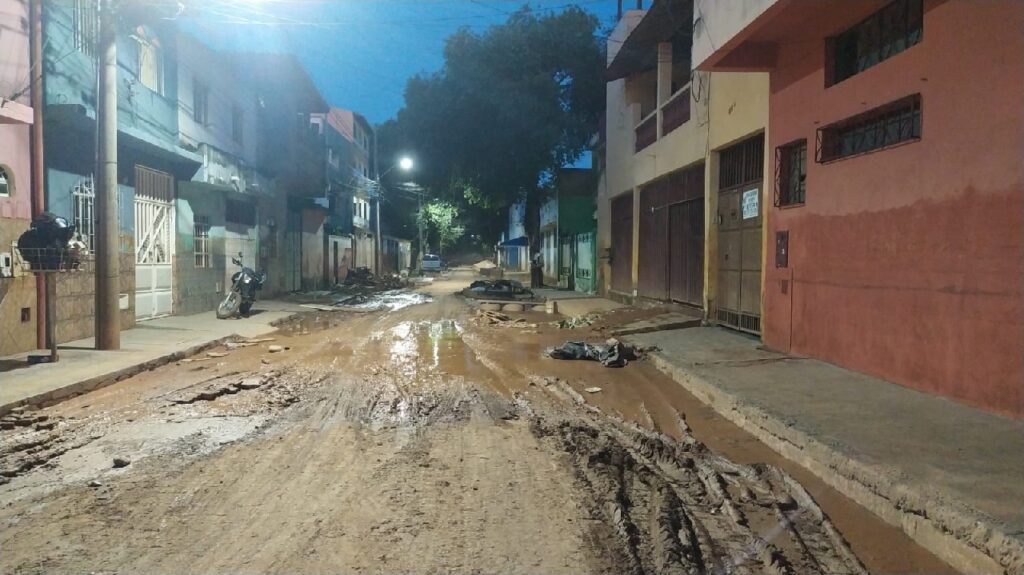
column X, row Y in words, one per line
column 510, row 105
column 441, row 221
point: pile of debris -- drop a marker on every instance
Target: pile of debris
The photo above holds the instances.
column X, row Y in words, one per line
column 498, row 289
column 364, row 278
column 577, row 322
column 612, row 353
column 498, row 319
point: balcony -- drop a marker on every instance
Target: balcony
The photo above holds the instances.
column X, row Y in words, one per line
column 670, row 115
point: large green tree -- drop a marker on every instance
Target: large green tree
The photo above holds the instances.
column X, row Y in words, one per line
column 510, row 105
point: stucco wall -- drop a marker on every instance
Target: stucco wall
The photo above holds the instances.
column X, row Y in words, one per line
column 198, row 289
column 717, row 22
column 905, row 263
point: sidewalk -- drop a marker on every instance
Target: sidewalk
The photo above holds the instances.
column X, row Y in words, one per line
column 951, row 476
column 81, row 368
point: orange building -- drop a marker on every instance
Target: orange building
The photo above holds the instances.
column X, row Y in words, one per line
column 894, row 246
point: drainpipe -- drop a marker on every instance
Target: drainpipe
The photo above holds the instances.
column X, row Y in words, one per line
column 38, row 198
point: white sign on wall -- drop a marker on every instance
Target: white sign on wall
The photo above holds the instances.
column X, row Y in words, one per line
column 750, row 203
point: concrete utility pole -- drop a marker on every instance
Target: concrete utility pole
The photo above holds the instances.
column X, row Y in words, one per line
column 380, row 189
column 423, row 251
column 108, row 268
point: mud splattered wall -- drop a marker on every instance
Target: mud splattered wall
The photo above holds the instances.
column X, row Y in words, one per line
column 905, row 262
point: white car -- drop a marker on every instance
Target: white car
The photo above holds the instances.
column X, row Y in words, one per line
column 432, row 263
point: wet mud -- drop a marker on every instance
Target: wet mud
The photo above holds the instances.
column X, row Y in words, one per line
column 414, row 440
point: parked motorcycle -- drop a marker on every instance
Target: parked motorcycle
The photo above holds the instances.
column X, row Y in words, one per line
column 244, row 285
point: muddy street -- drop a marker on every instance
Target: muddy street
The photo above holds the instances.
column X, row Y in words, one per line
column 412, row 439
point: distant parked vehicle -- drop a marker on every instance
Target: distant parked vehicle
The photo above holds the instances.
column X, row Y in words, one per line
column 432, row 263
column 244, row 285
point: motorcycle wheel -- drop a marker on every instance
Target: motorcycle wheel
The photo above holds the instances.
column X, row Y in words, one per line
column 229, row 306
column 245, row 307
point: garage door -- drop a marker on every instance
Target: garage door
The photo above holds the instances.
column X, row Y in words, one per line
column 154, row 243
column 741, row 178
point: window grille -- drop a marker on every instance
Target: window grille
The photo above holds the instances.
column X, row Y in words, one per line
column 889, row 31
column 201, row 241
column 791, row 174
column 887, row 125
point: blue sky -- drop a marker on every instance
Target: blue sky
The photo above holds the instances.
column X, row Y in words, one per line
column 359, row 52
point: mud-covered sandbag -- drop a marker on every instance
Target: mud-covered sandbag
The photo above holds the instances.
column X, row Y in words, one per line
column 611, row 354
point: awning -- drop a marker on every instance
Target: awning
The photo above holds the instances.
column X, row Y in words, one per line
column 639, row 51
column 520, row 242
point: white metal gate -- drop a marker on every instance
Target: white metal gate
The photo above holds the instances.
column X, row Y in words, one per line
column 154, row 243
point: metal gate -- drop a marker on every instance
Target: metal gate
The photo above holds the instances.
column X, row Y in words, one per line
column 566, row 262
column 741, row 178
column 686, row 252
column 622, row 243
column 154, row 243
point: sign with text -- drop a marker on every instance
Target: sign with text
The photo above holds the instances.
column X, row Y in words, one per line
column 750, row 203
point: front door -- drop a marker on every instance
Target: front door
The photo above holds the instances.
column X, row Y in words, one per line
column 741, row 180
column 154, row 243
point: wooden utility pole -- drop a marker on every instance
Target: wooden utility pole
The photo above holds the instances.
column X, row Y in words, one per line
column 108, row 268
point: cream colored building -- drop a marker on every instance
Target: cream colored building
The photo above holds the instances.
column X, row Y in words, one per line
column 681, row 202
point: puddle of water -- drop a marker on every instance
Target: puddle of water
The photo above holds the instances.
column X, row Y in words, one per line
column 437, row 345
column 307, row 323
column 392, row 300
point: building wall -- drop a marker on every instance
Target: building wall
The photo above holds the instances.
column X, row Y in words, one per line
column 905, row 263
column 199, row 289
column 16, row 293
column 313, row 262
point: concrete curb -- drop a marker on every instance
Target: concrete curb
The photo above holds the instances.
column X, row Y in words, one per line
column 66, row 392
column 961, row 536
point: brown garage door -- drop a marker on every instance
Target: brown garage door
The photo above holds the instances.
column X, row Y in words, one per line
column 671, row 250
column 622, row 243
column 740, row 178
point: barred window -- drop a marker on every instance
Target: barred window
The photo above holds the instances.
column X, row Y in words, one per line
column 887, row 125
column 893, row 29
column 240, row 212
column 85, row 26
column 201, row 241
column 6, row 182
column 791, row 173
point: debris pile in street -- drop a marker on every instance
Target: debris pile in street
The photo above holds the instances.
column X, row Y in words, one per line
column 498, row 289
column 577, row 321
column 611, row 354
column 391, row 300
column 498, row 319
column 26, row 417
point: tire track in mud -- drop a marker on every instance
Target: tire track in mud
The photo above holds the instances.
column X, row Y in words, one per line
column 676, row 507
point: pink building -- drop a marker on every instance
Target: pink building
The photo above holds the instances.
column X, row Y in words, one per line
column 17, row 293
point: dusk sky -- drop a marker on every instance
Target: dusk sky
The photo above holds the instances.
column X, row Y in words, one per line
column 360, row 53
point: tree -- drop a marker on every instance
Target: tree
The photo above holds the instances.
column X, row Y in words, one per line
column 510, row 106
column 442, row 218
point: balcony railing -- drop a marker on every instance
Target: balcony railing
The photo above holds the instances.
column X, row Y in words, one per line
column 647, row 131
column 671, row 114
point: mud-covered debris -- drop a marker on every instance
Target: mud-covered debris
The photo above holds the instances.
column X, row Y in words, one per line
column 576, row 322
column 120, row 462
column 612, row 353
column 264, row 361
column 275, row 348
column 216, row 354
column 95, row 483
column 498, row 319
column 593, row 389
column 498, row 289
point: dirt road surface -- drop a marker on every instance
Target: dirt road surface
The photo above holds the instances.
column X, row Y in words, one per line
column 414, row 441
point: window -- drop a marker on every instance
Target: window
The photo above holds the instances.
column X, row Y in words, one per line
column 201, row 241
column 83, row 203
column 200, row 102
column 791, row 174
column 741, row 164
column 895, row 122
column 6, row 182
column 240, row 212
column 237, row 119
column 86, row 26
column 150, row 60
column 891, row 30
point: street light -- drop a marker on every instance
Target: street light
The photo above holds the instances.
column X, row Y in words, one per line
column 405, row 163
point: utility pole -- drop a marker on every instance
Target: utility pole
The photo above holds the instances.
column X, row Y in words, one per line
column 380, row 189
column 38, row 198
column 108, row 268
column 423, row 251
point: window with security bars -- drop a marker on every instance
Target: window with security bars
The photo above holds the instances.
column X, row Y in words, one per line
column 83, row 201
column 887, row 125
column 201, row 241
column 791, row 174
column 895, row 28
column 85, row 26
column 741, row 164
